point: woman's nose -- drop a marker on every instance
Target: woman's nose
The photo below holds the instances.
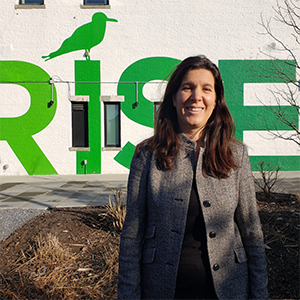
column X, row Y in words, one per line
column 197, row 94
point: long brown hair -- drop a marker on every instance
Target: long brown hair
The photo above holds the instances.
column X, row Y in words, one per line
column 218, row 132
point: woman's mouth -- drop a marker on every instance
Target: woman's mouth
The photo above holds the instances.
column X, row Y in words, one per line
column 195, row 108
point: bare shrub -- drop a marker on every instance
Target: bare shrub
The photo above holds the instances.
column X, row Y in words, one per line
column 116, row 209
column 269, row 176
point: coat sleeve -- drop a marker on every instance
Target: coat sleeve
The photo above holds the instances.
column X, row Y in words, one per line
column 129, row 286
column 248, row 221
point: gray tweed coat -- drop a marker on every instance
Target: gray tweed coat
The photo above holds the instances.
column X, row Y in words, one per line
column 157, row 205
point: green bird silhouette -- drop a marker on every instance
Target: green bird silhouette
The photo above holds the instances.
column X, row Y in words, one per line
column 84, row 37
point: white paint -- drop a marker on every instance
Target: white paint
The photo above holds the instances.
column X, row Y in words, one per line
column 56, row 138
column 260, row 94
column 264, row 143
column 15, row 100
column 8, row 157
column 154, row 90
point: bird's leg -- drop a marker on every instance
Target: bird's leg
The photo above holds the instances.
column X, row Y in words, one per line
column 87, row 54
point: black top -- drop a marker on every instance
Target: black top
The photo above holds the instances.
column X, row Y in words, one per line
column 194, row 278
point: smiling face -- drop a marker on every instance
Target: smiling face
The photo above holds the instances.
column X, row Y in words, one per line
column 195, row 101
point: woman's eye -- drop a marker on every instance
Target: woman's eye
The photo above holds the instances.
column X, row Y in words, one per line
column 186, row 88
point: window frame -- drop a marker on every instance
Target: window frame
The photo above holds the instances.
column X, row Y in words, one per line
column 29, row 5
column 85, row 145
column 22, row 2
column 111, row 99
column 84, row 5
column 118, row 144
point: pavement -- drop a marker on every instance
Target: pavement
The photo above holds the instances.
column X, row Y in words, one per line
column 57, row 191
column 24, row 197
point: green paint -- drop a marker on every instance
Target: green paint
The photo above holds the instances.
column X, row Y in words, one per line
column 124, row 157
column 19, row 131
column 143, row 71
column 237, row 72
column 89, row 71
column 287, row 163
column 85, row 37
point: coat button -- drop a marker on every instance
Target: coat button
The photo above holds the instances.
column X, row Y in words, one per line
column 206, row 204
column 216, row 267
column 212, row 234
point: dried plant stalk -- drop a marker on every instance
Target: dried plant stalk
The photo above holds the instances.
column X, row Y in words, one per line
column 116, row 209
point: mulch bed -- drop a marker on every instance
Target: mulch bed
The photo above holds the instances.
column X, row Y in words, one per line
column 281, row 226
column 87, row 244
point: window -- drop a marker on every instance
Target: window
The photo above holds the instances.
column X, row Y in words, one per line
column 112, row 124
column 80, row 124
column 96, row 2
column 32, row 2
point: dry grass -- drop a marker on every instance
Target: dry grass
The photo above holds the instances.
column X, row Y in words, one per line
column 116, row 209
column 49, row 249
column 49, row 270
column 298, row 197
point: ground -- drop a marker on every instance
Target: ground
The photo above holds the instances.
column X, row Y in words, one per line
column 72, row 253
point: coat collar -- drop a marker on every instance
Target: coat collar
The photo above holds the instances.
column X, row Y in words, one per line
column 186, row 141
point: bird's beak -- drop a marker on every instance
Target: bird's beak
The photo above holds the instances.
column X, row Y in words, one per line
column 112, row 20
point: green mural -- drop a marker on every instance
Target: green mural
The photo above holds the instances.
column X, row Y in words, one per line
column 85, row 37
column 237, row 72
column 19, row 131
column 124, row 157
column 138, row 74
column 87, row 76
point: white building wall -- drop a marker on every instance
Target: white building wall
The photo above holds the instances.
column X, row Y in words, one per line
column 222, row 30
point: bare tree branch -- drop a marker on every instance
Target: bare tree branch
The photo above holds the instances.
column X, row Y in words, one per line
column 268, row 30
column 287, row 13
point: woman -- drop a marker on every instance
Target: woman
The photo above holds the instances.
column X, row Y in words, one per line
column 192, row 229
